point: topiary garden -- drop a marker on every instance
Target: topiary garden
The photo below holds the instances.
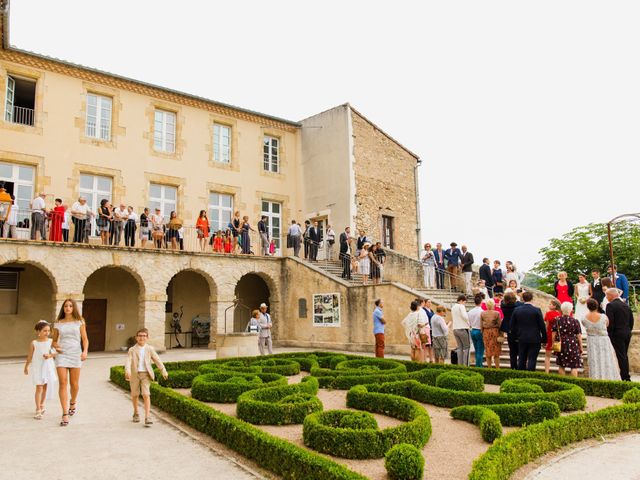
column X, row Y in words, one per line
column 376, row 412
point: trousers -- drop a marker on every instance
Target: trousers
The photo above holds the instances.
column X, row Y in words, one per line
column 38, row 226
column 528, row 355
column 621, row 347
column 379, row 345
column 463, row 343
column 429, row 276
column 478, row 345
column 265, row 342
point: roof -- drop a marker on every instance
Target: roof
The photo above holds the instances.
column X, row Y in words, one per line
column 45, row 62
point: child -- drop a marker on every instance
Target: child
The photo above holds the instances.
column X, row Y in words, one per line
column 272, row 247
column 43, row 373
column 228, row 242
column 217, row 242
column 440, row 330
column 139, row 372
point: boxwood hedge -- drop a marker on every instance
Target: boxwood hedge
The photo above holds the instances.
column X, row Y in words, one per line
column 486, row 419
column 279, row 456
column 461, row 380
column 280, row 405
column 282, row 366
column 321, row 431
column 226, row 387
column 404, row 462
column 363, row 366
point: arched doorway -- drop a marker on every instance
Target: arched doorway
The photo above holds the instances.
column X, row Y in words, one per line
column 26, row 296
column 111, row 308
column 189, row 296
column 251, row 290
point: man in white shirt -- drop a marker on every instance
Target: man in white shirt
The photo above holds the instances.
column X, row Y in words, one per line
column 10, row 223
column 331, row 241
column 130, row 228
column 38, row 212
column 79, row 213
column 264, row 337
column 120, row 215
column 294, row 238
column 461, row 330
column 475, row 322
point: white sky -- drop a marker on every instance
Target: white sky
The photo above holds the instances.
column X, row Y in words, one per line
column 525, row 113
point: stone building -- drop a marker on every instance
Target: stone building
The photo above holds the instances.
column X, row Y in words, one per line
column 71, row 131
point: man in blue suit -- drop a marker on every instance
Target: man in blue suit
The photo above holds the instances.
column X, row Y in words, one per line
column 622, row 283
column 438, row 255
column 453, row 256
column 527, row 326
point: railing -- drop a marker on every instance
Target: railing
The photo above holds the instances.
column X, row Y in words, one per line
column 22, row 115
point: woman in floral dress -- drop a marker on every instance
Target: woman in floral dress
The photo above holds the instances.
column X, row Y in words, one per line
column 567, row 330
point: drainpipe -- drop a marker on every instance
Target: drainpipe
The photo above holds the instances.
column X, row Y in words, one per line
column 418, row 229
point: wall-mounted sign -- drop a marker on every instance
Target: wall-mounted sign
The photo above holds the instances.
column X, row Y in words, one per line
column 326, row 310
column 119, row 327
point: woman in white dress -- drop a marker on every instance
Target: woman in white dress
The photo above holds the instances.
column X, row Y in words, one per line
column 582, row 293
column 602, row 358
column 71, row 342
column 364, row 262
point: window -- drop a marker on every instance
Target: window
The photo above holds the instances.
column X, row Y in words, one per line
column 221, row 143
column 220, row 211
column 164, row 131
column 98, row 117
column 94, row 188
column 271, row 151
column 9, row 280
column 19, row 182
column 20, row 101
column 272, row 211
column 163, row 197
column 387, row 231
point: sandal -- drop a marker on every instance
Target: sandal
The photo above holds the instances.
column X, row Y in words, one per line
column 72, row 410
column 38, row 415
column 147, row 422
column 63, row 422
column 136, row 418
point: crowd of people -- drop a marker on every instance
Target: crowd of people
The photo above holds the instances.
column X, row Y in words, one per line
column 511, row 317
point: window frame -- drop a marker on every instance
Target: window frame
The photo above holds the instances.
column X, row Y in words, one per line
column 17, row 182
column 94, row 194
column 269, row 159
column 160, row 144
column 99, row 127
column 162, row 200
column 218, row 146
column 269, row 213
column 220, row 209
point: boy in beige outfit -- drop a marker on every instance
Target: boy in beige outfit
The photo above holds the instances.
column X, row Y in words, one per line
column 139, row 372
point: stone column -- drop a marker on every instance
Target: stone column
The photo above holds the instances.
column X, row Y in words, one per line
column 218, row 307
column 152, row 314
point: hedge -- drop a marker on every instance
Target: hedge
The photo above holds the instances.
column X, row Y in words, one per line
column 568, row 397
column 177, row 378
column 226, row 387
column 281, row 366
column 224, row 367
column 461, row 380
column 513, row 386
column 345, row 382
column 486, row 419
column 279, row 456
column 518, row 448
column 631, row 396
column 404, row 462
column 361, row 366
column 280, row 405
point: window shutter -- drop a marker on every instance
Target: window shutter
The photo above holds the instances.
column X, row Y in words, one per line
column 8, row 280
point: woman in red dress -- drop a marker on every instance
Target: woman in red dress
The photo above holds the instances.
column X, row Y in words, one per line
column 228, row 242
column 563, row 288
column 549, row 320
column 56, row 217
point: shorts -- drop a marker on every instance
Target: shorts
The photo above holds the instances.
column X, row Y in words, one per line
column 440, row 347
column 144, row 233
column 140, row 383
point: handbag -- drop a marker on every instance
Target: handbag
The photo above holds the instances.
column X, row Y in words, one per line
column 501, row 338
column 556, row 345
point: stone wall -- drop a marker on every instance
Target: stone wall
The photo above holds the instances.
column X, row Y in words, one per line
column 385, row 185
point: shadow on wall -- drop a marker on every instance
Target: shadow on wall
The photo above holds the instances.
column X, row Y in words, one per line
column 250, row 291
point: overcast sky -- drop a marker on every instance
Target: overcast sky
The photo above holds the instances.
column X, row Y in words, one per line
column 526, row 114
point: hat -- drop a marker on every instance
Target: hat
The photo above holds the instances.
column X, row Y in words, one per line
column 453, row 244
column 263, row 305
column 366, row 244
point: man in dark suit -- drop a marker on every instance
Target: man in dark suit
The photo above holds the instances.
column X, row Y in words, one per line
column 305, row 238
column 314, row 242
column 485, row 274
column 596, row 287
column 620, row 327
column 527, row 326
column 345, row 256
column 438, row 255
column 467, row 269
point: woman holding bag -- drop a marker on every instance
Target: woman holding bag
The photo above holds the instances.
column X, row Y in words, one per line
column 567, row 331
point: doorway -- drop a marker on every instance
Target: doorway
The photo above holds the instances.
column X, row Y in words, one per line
column 94, row 312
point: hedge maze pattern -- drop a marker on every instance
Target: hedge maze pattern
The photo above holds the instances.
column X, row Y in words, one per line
column 393, row 388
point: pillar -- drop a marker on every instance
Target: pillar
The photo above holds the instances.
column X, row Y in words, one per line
column 152, row 313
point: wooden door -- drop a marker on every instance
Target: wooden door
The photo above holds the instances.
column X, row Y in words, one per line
column 387, row 231
column 94, row 312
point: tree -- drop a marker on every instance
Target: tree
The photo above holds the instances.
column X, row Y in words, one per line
column 585, row 248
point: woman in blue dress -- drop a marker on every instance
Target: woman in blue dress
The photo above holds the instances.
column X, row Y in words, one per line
column 498, row 277
column 244, row 239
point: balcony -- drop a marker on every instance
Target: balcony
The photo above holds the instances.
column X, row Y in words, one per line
column 21, row 116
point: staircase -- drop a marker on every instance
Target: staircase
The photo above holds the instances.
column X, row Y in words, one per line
column 334, row 268
column 444, row 297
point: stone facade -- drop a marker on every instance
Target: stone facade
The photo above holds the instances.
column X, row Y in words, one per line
column 385, row 185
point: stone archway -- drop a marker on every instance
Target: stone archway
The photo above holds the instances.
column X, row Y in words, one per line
column 191, row 294
column 111, row 307
column 251, row 290
column 27, row 295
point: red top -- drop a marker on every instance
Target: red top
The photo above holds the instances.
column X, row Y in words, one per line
column 217, row 244
column 550, row 318
column 227, row 246
column 563, row 294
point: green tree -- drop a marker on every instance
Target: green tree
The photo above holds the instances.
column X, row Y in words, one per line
column 585, row 248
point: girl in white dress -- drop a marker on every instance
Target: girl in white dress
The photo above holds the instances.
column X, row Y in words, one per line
column 582, row 293
column 364, row 262
column 43, row 370
column 603, row 364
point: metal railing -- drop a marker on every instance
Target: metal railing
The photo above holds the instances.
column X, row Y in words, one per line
column 22, row 115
